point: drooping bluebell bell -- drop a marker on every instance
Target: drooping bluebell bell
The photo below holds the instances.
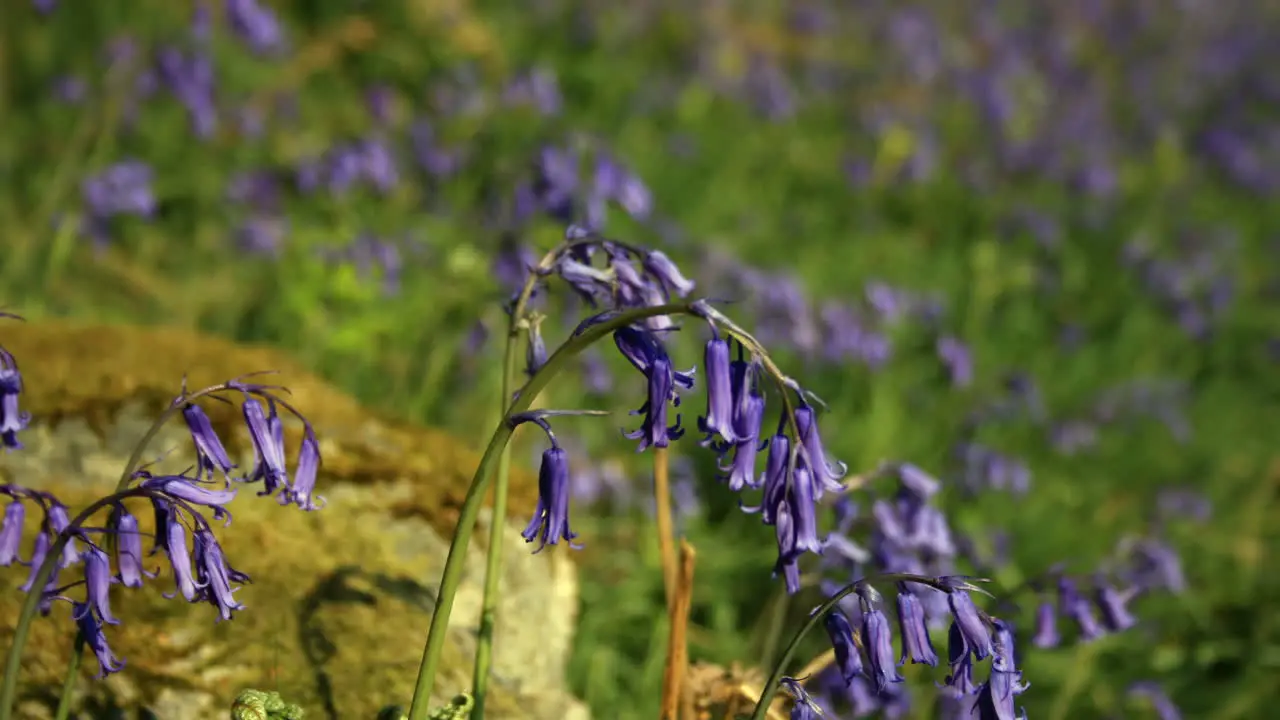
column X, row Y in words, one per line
column 996, row 695
column 535, row 349
column 97, row 581
column 667, row 273
column 774, row 481
column 39, row 551
column 786, row 565
column 174, row 535
column 912, row 626
column 266, row 432
column 826, row 474
column 550, row 522
column 1156, row 697
column 186, row 488
column 748, row 415
column 1072, row 604
column 848, row 657
column 959, row 683
column 15, row 516
column 12, row 419
column 96, row 639
column 57, row 519
column 124, row 526
column 256, row 25
column 211, row 455
column 720, row 391
column 804, row 707
column 877, row 637
column 302, row 492
column 213, row 576
column 1046, row 635
column 1113, row 605
column 647, row 354
column 968, row 619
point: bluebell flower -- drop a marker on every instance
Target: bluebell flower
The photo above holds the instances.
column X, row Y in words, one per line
column 124, row 526
column 550, row 522
column 266, row 432
column 826, row 474
column 661, row 267
column 94, row 637
column 848, row 658
column 968, row 619
column 57, row 519
column 1113, row 605
column 12, row 419
column 211, row 455
column 39, row 551
column 878, row 639
column 535, row 350
column 720, row 391
column 175, row 546
column 1076, row 607
column 959, row 656
column 304, row 476
column 213, row 576
column 1156, row 697
column 186, row 489
column 97, row 581
column 775, row 479
column 257, row 25
column 786, row 564
column 1046, row 635
column 803, row 707
column 916, row 643
column 15, row 516
column 996, row 696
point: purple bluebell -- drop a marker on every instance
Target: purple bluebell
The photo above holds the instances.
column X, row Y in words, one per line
column 15, row 516
column 775, row 479
column 1154, row 565
column 748, row 414
column 266, row 432
column 1075, row 606
column 1157, row 698
column 640, row 346
column 786, row 565
column 12, row 419
column 535, row 350
column 97, row 582
column 996, row 696
column 302, row 493
column 804, row 512
column 956, row 358
column 1113, row 606
column 255, row 24
column 550, row 522
column 826, row 474
column 912, row 626
column 848, row 657
column 1046, row 635
column 39, row 551
column 720, row 391
column 959, row 682
column 803, row 707
column 124, row 526
column 175, row 545
column 186, row 489
column 57, row 519
column 213, row 576
column 666, row 271
column 968, row 619
column 211, row 455
column 877, row 637
column 94, row 637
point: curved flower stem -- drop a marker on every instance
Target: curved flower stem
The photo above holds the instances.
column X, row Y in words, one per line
column 666, row 527
column 69, row 681
column 497, row 525
column 815, row 617
column 13, row 664
column 454, row 564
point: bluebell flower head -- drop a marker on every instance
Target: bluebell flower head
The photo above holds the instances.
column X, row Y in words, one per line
column 550, row 522
column 1046, row 635
column 213, row 576
column 720, row 392
column 175, row 545
column 826, row 474
column 848, row 658
column 996, row 696
column 304, row 475
column 968, row 619
column 1075, row 606
column 124, row 526
column 211, row 455
column 15, row 516
column 662, row 381
column 1113, row 606
column 186, row 489
column 878, row 639
column 57, row 519
column 786, row 565
column 12, row 419
column 94, row 637
column 661, row 267
column 97, row 580
column 912, row 625
column 266, row 432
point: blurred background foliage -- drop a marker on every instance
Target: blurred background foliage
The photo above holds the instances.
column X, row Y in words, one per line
column 1032, row 248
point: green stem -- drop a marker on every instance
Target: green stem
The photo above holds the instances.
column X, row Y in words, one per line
column 497, row 525
column 69, row 682
column 454, row 564
column 8, row 691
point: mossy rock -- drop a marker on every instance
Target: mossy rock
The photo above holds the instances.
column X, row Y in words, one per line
column 341, row 598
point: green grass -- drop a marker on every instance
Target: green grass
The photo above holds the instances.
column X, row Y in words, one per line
column 773, row 194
